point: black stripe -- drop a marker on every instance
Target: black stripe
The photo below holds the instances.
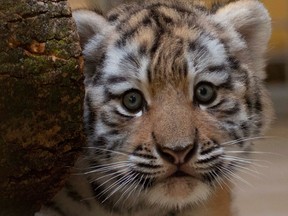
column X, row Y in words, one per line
column 185, row 68
column 75, row 196
column 55, row 207
column 100, row 142
column 105, row 119
column 96, row 190
column 201, row 8
column 146, row 156
column 146, row 21
column 166, row 19
column 235, row 136
column 154, row 7
column 150, row 166
column 94, row 64
column 227, row 84
column 116, row 79
column 113, row 132
column 143, row 49
column 217, row 68
column 233, row 63
column 207, row 151
column 232, row 111
column 258, row 104
column 192, row 46
column 113, row 17
column 91, row 116
column 245, row 126
column 110, row 96
column 175, row 7
column 126, row 36
column 149, row 75
column 216, row 106
column 249, row 103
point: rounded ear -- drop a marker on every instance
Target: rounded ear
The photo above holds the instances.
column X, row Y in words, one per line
column 251, row 20
column 89, row 24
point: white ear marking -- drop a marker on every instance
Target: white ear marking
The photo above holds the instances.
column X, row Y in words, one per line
column 89, row 24
column 251, row 20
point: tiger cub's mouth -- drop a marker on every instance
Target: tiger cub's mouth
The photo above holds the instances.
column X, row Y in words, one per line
column 179, row 173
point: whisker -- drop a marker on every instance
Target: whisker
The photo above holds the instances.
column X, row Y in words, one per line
column 232, row 142
column 234, row 175
column 123, row 178
column 129, row 180
column 97, row 196
column 119, row 173
column 255, row 152
column 108, row 150
column 225, row 177
column 142, row 186
column 247, row 170
column 216, row 177
column 250, row 162
column 102, row 165
column 131, row 190
column 245, row 159
column 104, row 169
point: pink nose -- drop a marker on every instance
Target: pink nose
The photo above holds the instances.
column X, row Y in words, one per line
column 177, row 156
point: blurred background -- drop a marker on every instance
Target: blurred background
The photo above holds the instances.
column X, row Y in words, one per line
column 267, row 194
column 264, row 189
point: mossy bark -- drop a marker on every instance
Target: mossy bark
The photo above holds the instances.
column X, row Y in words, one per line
column 41, row 96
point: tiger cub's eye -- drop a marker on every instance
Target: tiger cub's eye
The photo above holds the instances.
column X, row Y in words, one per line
column 205, row 93
column 133, row 100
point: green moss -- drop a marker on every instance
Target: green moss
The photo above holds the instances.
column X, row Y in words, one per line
column 37, row 64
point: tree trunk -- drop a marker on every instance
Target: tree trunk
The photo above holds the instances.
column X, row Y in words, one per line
column 41, row 96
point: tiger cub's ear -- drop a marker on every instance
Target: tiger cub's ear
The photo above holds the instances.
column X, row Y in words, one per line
column 89, row 24
column 252, row 21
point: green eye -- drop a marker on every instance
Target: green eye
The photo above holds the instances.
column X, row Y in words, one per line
column 133, row 100
column 205, row 93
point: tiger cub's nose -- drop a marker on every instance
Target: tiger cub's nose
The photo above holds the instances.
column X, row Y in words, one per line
column 177, row 155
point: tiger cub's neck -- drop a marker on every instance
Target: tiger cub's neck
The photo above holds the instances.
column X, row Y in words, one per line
column 219, row 204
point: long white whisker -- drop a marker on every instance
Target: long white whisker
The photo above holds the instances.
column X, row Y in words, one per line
column 127, row 190
column 255, row 152
column 215, row 175
column 236, row 176
column 108, row 150
column 90, row 198
column 232, row 142
column 117, row 189
column 123, row 178
column 225, row 176
column 104, row 169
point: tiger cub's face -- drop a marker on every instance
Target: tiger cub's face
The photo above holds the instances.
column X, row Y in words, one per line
column 174, row 96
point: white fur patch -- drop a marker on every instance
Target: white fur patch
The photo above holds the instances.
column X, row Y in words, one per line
column 177, row 194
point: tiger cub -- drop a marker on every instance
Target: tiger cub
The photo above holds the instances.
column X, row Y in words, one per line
column 174, row 98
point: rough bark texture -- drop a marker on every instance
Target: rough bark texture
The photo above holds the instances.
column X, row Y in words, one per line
column 40, row 102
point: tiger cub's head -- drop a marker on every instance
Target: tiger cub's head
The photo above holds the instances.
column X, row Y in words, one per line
column 174, row 97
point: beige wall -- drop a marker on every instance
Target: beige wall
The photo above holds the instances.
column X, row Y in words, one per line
column 279, row 12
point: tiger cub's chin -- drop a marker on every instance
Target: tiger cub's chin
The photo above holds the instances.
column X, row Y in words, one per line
column 178, row 193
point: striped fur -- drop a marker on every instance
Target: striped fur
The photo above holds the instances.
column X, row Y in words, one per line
column 164, row 49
